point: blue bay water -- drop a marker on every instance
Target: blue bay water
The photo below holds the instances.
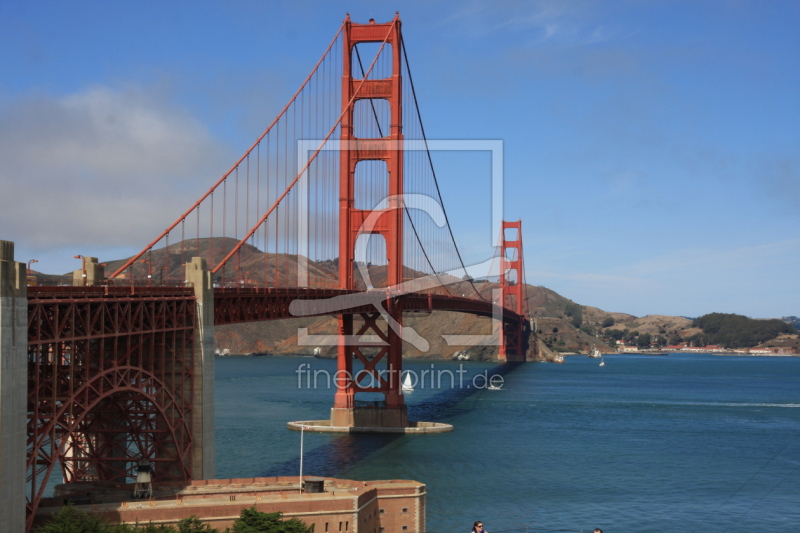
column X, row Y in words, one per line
column 677, row 443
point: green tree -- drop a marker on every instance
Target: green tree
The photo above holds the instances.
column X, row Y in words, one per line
column 644, row 340
column 615, row 334
column 737, row 331
column 698, row 340
column 193, row 525
column 630, row 336
column 252, row 521
column 608, row 322
column 575, row 311
column 70, row 520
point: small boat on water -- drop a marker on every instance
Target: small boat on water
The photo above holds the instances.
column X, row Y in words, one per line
column 494, row 387
column 595, row 353
column 407, row 387
column 602, row 363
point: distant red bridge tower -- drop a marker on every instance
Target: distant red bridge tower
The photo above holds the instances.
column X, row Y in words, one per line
column 512, row 287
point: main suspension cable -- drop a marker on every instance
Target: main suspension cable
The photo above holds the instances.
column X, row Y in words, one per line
column 433, row 172
column 405, row 208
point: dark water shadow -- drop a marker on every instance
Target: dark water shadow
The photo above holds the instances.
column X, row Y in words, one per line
column 346, row 450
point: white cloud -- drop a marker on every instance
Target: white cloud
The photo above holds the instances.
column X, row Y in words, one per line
column 102, row 167
column 560, row 21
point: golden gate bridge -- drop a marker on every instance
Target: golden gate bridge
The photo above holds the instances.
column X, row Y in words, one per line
column 334, row 210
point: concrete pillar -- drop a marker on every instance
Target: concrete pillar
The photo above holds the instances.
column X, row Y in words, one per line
column 13, row 389
column 199, row 277
column 94, row 273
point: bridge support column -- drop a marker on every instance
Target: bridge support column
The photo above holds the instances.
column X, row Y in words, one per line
column 198, row 276
column 346, row 412
column 345, row 390
column 13, row 389
column 93, row 271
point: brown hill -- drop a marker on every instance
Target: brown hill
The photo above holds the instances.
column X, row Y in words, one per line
column 653, row 324
column 249, row 266
column 788, row 342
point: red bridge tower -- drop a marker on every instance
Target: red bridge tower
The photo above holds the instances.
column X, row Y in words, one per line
column 387, row 222
column 512, row 289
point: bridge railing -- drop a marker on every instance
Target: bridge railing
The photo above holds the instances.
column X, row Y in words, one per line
column 104, row 291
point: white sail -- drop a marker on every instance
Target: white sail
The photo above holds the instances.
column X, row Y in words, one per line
column 407, row 387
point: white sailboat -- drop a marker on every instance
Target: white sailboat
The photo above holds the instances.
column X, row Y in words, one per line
column 602, row 363
column 407, row 387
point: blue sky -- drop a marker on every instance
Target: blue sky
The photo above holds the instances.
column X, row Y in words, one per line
column 652, row 149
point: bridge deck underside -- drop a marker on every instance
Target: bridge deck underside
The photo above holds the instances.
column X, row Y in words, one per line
column 239, row 305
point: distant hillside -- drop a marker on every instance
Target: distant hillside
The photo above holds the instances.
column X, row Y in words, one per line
column 250, row 266
column 737, row 331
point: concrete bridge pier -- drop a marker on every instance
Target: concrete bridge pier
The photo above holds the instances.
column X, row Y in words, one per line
column 91, row 270
column 13, row 389
column 199, row 277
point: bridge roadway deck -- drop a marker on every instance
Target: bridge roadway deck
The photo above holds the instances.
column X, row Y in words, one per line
column 255, row 304
column 236, row 305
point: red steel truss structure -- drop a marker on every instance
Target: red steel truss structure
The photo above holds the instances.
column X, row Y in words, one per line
column 109, row 383
column 254, row 304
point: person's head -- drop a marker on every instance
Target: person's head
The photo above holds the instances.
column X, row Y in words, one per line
column 478, row 526
column 598, row 530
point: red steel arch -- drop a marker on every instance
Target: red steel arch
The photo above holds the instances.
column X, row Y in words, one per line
column 110, row 375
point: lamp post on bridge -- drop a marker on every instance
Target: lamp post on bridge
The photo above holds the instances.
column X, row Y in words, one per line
column 83, row 267
column 149, row 271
